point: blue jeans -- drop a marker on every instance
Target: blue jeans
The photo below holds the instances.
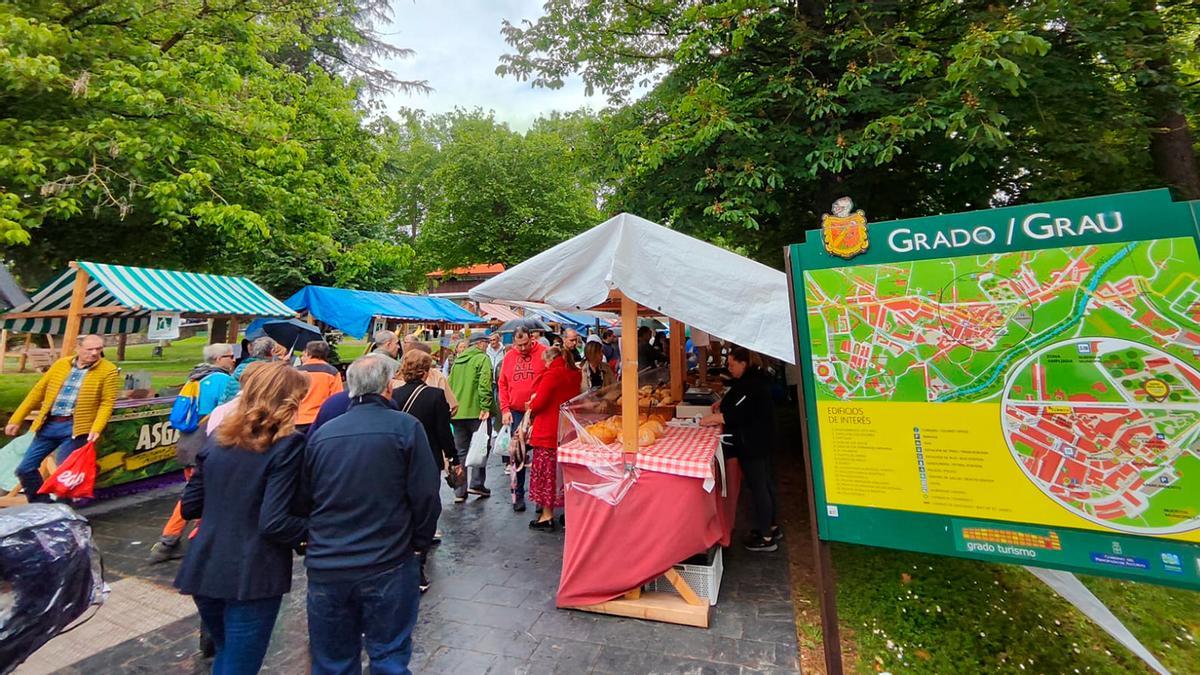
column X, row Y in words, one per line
column 241, row 630
column 379, row 610
column 52, row 436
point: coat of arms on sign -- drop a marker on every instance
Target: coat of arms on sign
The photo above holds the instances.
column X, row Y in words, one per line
column 845, row 232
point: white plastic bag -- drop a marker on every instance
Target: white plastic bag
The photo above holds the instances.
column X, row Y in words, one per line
column 504, row 440
column 478, row 452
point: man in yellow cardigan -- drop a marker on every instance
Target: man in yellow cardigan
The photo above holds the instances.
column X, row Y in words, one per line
column 74, row 400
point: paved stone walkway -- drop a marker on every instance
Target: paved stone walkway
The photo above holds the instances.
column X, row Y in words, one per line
column 491, row 608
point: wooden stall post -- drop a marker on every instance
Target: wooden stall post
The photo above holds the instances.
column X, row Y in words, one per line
column 231, row 335
column 629, row 375
column 678, row 359
column 75, row 311
column 122, row 340
column 24, row 353
column 3, row 349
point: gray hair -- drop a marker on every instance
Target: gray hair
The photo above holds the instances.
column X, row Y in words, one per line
column 262, row 347
column 369, row 375
column 383, row 337
column 215, row 351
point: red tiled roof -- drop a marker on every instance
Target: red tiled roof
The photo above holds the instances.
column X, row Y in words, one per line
column 473, row 270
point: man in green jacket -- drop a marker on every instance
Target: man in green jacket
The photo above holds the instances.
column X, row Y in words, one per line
column 471, row 384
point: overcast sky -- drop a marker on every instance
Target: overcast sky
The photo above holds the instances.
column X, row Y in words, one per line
column 458, row 45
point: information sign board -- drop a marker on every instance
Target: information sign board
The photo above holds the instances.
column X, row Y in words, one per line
column 1017, row 385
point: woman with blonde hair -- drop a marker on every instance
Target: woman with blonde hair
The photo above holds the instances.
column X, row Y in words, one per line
column 240, row 564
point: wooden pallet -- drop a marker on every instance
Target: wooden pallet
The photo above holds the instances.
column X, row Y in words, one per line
column 686, row 609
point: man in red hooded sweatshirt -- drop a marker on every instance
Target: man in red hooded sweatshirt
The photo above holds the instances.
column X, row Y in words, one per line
column 519, row 374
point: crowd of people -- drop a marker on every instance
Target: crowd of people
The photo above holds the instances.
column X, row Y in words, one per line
column 293, row 460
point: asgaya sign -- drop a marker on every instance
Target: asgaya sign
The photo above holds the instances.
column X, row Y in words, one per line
column 1037, row 226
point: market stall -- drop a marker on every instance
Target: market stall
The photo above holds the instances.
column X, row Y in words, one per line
column 357, row 313
column 638, row 510
column 114, row 299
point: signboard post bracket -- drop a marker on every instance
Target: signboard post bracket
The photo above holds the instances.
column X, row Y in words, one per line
column 831, row 637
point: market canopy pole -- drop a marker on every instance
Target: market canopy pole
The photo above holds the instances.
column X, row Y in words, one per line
column 629, row 372
column 677, row 359
column 75, row 311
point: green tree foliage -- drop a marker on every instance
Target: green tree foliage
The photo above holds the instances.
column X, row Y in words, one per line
column 217, row 135
column 472, row 190
column 762, row 112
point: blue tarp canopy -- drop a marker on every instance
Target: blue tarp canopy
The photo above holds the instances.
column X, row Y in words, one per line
column 570, row 319
column 352, row 311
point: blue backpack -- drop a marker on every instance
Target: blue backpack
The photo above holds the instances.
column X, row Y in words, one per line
column 185, row 413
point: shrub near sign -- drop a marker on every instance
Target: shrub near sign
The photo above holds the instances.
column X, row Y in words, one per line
column 1017, row 385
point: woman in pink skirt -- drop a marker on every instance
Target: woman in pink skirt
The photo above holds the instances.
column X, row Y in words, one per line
column 558, row 384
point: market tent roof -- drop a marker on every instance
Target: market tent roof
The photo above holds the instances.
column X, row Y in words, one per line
column 352, row 311
column 714, row 290
column 500, row 313
column 575, row 319
column 119, row 299
column 11, row 294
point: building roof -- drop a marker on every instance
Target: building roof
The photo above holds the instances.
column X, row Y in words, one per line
column 483, row 270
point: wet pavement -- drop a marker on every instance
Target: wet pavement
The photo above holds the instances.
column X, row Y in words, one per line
column 490, row 610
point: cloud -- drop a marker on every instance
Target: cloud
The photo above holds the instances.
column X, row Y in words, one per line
column 458, row 46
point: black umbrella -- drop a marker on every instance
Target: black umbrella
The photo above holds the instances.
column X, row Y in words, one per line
column 526, row 322
column 286, row 332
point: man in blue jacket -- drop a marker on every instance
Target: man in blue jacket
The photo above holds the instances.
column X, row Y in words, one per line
column 370, row 489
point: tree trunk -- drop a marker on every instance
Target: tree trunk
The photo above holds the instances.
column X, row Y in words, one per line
column 1174, row 157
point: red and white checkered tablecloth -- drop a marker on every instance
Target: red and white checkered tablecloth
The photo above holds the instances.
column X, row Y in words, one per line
column 682, row 451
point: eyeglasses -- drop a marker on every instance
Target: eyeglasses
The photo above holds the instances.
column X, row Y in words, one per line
column 225, row 356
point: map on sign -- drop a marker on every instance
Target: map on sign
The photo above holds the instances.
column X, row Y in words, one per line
column 1089, row 354
column 1109, row 428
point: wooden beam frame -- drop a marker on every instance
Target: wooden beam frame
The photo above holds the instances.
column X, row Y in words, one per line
column 629, row 376
column 75, row 310
column 677, row 358
column 65, row 313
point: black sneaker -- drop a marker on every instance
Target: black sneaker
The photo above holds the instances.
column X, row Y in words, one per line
column 776, row 533
column 424, row 585
column 519, row 507
column 483, row 492
column 758, row 543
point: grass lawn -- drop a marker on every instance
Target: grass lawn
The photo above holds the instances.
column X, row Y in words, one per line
column 166, row 371
column 913, row 613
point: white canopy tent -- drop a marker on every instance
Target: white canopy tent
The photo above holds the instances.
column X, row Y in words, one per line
column 701, row 285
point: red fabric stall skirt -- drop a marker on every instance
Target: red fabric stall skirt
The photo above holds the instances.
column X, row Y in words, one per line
column 545, row 489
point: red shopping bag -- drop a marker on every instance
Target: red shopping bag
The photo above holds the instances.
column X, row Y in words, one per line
column 76, row 476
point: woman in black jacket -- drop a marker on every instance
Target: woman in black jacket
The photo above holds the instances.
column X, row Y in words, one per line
column 240, row 563
column 428, row 404
column 748, row 415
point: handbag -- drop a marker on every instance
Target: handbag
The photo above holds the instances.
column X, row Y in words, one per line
column 76, row 476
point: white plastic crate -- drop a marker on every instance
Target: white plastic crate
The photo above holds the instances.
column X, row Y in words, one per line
column 705, row 579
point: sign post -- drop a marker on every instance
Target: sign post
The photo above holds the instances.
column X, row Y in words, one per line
column 1017, row 385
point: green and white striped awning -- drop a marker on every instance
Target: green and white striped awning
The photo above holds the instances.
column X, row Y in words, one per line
column 133, row 292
